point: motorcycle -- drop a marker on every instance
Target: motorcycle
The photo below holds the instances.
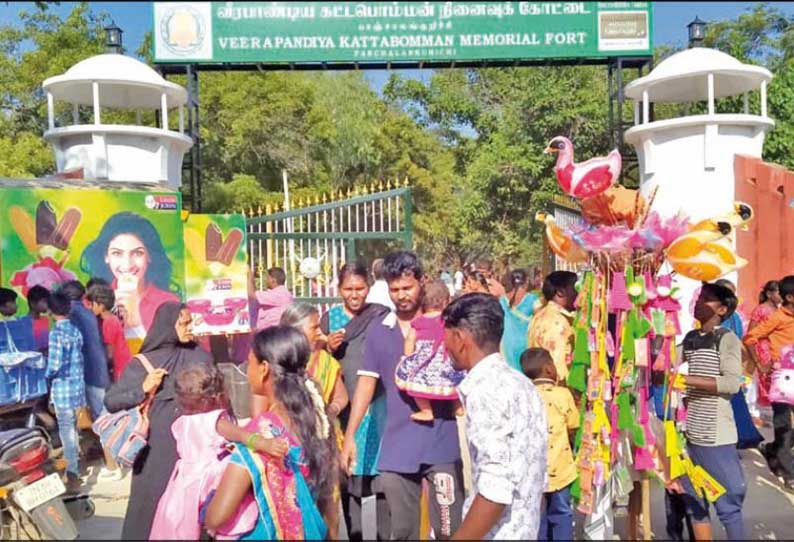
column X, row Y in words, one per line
column 32, row 494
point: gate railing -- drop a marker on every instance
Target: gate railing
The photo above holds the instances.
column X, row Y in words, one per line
column 312, row 241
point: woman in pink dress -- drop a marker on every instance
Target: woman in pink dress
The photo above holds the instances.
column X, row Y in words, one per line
column 203, row 433
column 768, row 300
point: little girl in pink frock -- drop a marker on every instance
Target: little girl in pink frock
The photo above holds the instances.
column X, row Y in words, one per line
column 426, row 373
column 203, row 434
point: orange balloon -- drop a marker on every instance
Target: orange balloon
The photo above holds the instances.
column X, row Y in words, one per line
column 703, row 255
column 561, row 243
column 615, row 206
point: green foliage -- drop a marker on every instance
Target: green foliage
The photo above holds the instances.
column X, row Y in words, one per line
column 760, row 35
column 498, row 122
column 779, row 144
column 244, row 193
column 55, row 45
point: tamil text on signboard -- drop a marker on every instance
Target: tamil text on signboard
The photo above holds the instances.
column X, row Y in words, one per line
column 309, row 32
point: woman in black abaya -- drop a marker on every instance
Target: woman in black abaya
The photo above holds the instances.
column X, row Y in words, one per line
column 169, row 348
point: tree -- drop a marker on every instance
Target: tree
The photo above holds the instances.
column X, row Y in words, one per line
column 497, row 122
column 56, row 45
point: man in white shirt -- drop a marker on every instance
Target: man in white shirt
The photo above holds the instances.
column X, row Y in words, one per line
column 505, row 426
column 379, row 292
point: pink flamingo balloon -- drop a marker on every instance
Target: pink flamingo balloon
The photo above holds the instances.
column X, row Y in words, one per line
column 586, row 179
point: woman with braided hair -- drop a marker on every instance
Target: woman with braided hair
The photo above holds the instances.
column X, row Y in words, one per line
column 294, row 495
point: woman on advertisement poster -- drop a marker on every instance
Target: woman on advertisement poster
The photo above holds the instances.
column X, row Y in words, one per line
column 130, row 255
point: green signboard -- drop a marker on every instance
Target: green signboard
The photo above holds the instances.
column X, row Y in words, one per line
column 366, row 32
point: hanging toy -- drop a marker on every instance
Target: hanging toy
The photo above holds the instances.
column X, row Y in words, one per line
column 706, row 252
column 560, row 242
column 616, row 205
column 608, row 239
column 586, row 179
column 741, row 215
column 704, row 255
column 618, row 296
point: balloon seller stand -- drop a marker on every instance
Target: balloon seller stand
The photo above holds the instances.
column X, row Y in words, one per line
column 625, row 330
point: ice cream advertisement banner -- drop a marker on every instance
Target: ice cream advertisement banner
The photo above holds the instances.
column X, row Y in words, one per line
column 130, row 238
column 217, row 270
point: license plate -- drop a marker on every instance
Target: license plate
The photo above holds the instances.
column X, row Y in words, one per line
column 39, row 492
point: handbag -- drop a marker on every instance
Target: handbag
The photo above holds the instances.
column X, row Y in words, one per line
column 781, row 382
column 781, row 387
column 126, row 433
column 14, row 358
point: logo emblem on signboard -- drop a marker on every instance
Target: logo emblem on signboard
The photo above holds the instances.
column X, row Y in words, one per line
column 623, row 31
column 183, row 29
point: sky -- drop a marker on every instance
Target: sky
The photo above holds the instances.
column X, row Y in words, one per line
column 670, row 20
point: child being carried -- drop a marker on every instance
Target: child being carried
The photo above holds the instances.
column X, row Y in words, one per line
column 203, row 432
column 426, row 373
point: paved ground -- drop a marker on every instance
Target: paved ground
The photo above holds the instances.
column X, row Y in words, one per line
column 768, row 508
column 110, row 499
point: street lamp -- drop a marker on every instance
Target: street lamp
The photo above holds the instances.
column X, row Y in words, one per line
column 113, row 38
column 697, row 32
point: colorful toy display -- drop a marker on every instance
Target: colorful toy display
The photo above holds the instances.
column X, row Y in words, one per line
column 625, row 329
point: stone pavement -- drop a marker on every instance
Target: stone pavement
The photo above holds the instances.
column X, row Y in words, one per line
column 110, row 499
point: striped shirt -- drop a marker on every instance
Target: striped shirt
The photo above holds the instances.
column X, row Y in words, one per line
column 709, row 420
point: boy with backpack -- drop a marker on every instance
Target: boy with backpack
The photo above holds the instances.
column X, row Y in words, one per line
column 714, row 357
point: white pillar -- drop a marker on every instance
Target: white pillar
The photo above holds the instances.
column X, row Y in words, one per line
column 164, row 107
column 138, row 118
column 75, row 114
column 95, row 92
column 646, row 107
column 746, row 104
column 50, row 111
column 181, row 120
column 636, row 113
column 763, row 98
column 711, row 93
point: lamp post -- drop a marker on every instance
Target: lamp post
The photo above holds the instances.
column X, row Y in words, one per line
column 697, row 32
column 113, row 38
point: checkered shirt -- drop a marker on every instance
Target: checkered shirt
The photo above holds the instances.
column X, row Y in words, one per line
column 65, row 366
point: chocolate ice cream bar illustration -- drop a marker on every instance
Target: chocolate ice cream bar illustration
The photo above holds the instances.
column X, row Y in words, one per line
column 66, row 227
column 213, row 240
column 45, row 222
column 230, row 246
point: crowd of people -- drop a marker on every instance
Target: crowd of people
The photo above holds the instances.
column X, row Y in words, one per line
column 456, row 384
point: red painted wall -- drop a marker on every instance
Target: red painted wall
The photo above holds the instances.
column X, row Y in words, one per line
column 768, row 244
